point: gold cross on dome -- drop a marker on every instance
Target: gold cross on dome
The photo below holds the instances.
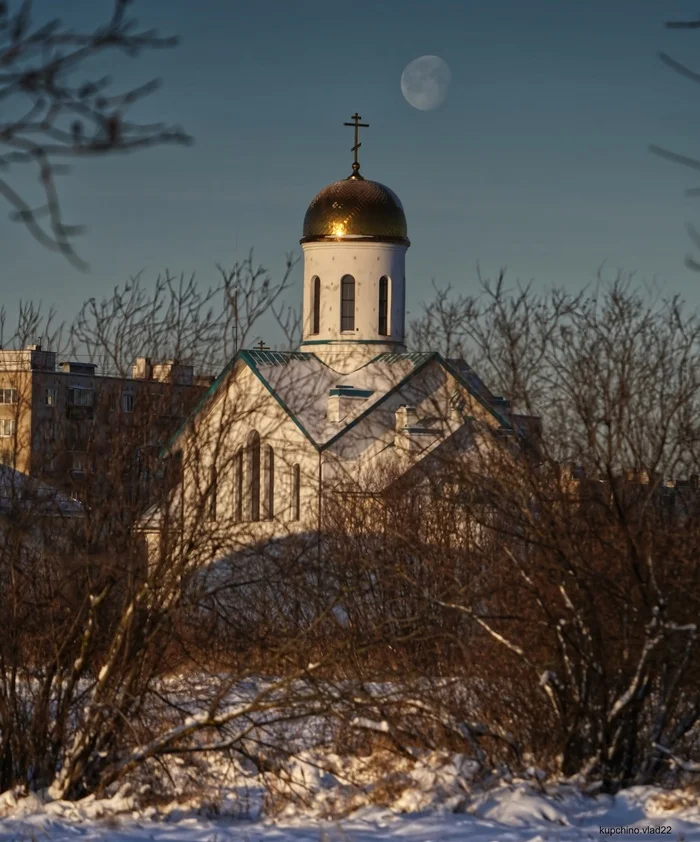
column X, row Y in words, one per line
column 261, row 346
column 357, row 125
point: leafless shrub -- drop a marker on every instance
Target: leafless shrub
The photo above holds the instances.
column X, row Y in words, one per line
column 590, row 572
column 497, row 602
column 97, row 627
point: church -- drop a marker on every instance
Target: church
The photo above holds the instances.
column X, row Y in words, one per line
column 352, row 408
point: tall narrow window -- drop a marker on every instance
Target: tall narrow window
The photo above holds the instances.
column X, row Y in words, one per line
column 253, row 476
column 347, row 303
column 316, row 313
column 269, row 508
column 212, row 492
column 296, row 492
column 238, row 484
column 384, row 306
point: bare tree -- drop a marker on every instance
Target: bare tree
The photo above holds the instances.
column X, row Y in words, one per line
column 178, row 319
column 53, row 111
column 100, row 627
column 588, row 574
column 498, row 601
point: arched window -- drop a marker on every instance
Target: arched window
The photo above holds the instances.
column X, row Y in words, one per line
column 384, row 306
column 238, row 484
column 295, row 507
column 316, row 305
column 347, row 303
column 269, row 507
column 253, row 483
column 212, row 492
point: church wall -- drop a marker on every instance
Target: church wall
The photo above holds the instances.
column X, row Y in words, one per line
column 246, row 405
column 370, row 450
column 243, row 407
column 366, row 262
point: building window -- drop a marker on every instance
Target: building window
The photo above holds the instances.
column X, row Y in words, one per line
column 7, row 457
column 347, row 303
column 128, row 402
column 238, row 484
column 82, row 397
column 269, row 483
column 213, row 490
column 253, row 476
column 296, row 492
column 51, row 397
column 8, row 396
column 384, row 306
column 316, row 305
column 7, row 428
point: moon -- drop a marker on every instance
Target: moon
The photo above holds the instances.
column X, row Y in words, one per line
column 424, row 82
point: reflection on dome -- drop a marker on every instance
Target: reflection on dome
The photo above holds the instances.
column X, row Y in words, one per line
column 355, row 208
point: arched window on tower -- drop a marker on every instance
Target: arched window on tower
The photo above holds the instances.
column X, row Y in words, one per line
column 269, row 499
column 347, row 303
column 238, row 484
column 384, row 306
column 295, row 498
column 253, row 479
column 316, row 305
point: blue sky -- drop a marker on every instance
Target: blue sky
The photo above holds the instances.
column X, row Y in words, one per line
column 538, row 161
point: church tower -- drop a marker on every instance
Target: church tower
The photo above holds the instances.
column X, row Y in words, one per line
column 354, row 243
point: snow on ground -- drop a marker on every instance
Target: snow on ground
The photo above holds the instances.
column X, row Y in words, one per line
column 309, row 793
column 510, row 812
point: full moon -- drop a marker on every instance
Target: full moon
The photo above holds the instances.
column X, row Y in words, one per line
column 424, row 82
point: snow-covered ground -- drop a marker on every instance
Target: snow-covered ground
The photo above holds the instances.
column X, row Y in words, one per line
column 310, row 793
column 508, row 812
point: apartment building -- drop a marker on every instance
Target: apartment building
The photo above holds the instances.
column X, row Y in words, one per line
column 65, row 422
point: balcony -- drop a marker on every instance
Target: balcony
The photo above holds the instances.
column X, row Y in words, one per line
column 81, row 403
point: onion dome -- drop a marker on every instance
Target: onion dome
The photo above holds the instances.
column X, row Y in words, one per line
column 356, row 209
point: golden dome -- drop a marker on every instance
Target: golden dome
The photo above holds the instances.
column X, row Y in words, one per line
column 358, row 209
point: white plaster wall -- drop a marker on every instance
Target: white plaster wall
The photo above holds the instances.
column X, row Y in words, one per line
column 366, row 262
column 243, row 406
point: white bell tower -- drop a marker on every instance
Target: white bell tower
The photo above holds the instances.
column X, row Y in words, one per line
column 354, row 244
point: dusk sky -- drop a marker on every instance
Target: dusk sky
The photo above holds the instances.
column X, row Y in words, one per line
column 538, row 160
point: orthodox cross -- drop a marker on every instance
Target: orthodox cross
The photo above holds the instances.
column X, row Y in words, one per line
column 357, row 125
column 261, row 346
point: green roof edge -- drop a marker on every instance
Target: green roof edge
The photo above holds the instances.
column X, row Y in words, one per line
column 253, row 366
column 246, row 356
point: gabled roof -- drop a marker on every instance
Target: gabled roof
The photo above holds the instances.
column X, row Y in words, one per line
column 300, row 382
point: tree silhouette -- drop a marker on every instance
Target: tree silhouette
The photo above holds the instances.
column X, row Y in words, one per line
column 52, row 110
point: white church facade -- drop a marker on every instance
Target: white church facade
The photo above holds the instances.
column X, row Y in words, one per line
column 352, row 407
